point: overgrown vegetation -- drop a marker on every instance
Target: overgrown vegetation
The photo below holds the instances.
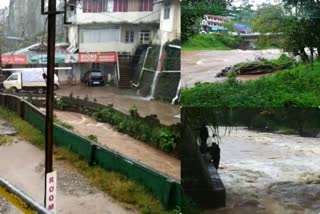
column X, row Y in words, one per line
column 146, row 130
column 131, row 194
column 298, row 87
column 282, row 63
column 212, row 42
column 173, row 56
column 93, row 138
column 5, row 139
column 192, row 12
column 163, row 138
column 63, row 124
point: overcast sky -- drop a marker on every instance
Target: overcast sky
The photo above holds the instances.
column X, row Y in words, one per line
column 4, row 3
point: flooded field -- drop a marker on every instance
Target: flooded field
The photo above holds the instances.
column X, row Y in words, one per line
column 203, row 66
column 270, row 173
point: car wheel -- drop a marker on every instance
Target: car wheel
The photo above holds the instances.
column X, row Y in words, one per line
column 14, row 90
column 55, row 87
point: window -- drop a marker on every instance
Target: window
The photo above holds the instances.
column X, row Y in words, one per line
column 120, row 6
column 129, row 36
column 145, row 37
column 108, row 34
column 98, row 6
column 146, row 5
column 166, row 11
column 14, row 77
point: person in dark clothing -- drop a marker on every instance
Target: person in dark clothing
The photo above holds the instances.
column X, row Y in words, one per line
column 214, row 151
column 204, row 134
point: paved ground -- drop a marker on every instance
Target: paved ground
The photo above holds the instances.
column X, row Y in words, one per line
column 22, row 165
column 123, row 144
column 203, row 66
column 123, row 101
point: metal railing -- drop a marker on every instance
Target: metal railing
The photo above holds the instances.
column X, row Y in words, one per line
column 21, row 201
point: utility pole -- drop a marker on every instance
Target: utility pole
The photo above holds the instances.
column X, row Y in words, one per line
column 50, row 90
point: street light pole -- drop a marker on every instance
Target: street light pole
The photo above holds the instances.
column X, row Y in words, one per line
column 50, row 90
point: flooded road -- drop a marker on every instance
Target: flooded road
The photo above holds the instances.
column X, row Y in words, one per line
column 203, row 66
column 123, row 100
column 122, row 143
column 270, row 173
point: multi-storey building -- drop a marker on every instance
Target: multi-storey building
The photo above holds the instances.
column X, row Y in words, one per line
column 216, row 21
column 106, row 33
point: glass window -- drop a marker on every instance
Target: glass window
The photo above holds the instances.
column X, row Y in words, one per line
column 129, row 36
column 108, row 34
column 167, row 11
column 145, row 37
column 14, row 77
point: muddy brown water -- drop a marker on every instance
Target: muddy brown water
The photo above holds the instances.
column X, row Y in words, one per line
column 203, row 66
column 122, row 143
column 123, row 100
column 270, row 173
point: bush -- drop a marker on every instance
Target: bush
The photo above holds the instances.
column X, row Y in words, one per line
column 298, row 87
column 161, row 137
column 212, row 42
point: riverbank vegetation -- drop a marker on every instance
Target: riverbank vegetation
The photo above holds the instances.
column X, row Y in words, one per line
column 145, row 129
column 297, row 87
column 131, row 194
column 212, row 42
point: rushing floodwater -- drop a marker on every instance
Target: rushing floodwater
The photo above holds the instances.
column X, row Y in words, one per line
column 203, row 66
column 270, row 173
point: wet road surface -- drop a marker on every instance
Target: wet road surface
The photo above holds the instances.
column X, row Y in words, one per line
column 270, row 173
column 22, row 164
column 123, row 100
column 122, row 143
column 203, row 66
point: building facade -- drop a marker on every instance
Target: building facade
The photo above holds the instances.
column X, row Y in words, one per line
column 108, row 27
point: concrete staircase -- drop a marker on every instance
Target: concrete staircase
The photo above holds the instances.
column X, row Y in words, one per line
column 125, row 70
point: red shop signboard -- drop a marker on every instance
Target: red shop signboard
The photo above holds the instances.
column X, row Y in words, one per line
column 12, row 59
column 97, row 57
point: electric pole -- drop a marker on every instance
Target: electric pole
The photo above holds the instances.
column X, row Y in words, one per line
column 50, row 90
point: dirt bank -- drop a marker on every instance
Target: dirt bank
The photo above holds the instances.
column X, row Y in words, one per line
column 123, row 144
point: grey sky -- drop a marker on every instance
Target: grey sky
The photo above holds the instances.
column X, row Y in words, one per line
column 4, row 3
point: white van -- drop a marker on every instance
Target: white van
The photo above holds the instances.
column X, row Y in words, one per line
column 28, row 80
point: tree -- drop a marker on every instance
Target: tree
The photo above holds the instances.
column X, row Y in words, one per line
column 304, row 29
column 297, row 21
column 192, row 11
column 268, row 19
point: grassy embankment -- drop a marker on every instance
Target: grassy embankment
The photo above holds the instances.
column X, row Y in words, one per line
column 129, row 193
column 296, row 87
column 212, row 42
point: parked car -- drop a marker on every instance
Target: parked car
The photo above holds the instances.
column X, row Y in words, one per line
column 93, row 77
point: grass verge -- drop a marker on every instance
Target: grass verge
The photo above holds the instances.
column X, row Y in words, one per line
column 129, row 193
column 212, row 42
column 5, row 139
column 297, row 87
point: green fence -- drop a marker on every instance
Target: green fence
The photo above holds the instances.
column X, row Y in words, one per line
column 166, row 189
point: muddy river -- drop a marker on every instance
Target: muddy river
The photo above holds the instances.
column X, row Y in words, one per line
column 270, row 173
column 203, row 66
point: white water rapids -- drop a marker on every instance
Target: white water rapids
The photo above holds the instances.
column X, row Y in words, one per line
column 270, row 173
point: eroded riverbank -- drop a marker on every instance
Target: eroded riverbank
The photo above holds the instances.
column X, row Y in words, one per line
column 203, row 66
